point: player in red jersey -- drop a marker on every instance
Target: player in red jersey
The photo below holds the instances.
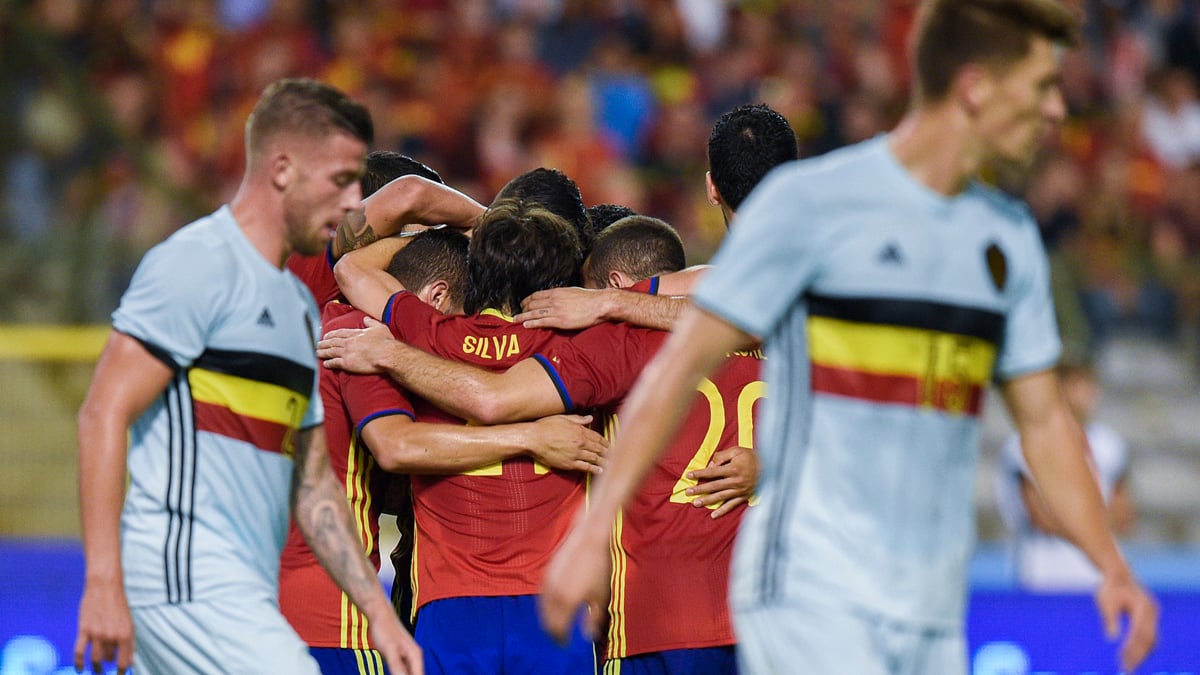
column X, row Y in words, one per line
column 483, row 537
column 370, row 423
column 669, row 610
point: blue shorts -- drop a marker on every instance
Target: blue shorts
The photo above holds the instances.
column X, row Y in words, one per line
column 338, row 661
column 496, row 635
column 705, row 661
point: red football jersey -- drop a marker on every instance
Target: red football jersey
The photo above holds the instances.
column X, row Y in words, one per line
column 491, row 531
column 310, row 600
column 670, row 582
column 671, row 559
column 316, row 271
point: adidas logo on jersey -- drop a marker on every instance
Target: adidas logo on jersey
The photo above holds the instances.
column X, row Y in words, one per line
column 891, row 254
column 265, row 319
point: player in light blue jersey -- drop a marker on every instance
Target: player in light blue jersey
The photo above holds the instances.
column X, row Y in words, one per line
column 211, row 371
column 889, row 287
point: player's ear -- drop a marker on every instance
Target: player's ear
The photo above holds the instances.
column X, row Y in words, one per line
column 618, row 279
column 973, row 87
column 282, row 170
column 437, row 294
column 710, row 190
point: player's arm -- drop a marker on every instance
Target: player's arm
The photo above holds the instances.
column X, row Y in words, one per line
column 576, row 308
column 1039, row 517
column 320, row 511
column 113, row 402
column 1122, row 513
column 1053, row 445
column 362, row 275
column 579, row 571
column 562, row 442
column 405, row 200
column 523, row 392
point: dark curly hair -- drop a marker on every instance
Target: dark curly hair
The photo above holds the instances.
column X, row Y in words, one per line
column 518, row 248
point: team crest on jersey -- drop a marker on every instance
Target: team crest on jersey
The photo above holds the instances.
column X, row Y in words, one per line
column 997, row 265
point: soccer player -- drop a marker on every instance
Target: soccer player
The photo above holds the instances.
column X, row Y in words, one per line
column 670, row 581
column 370, row 431
column 482, row 537
column 745, row 144
column 207, row 388
column 669, row 609
column 890, row 287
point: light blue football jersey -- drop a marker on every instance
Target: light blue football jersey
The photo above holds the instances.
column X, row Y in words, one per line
column 210, row 461
column 886, row 309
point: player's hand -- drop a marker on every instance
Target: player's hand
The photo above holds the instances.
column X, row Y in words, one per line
column 564, row 442
column 356, row 350
column 562, row 308
column 398, row 648
column 730, row 477
column 1121, row 596
column 105, row 628
column 578, row 575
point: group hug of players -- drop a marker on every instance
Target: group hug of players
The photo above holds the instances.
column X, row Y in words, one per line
column 476, row 423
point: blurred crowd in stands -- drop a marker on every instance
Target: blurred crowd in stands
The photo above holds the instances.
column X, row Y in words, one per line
column 120, row 120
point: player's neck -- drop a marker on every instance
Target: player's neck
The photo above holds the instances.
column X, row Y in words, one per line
column 935, row 146
column 260, row 215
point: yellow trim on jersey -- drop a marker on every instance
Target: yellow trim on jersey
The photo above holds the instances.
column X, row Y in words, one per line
column 896, row 350
column 412, row 574
column 359, row 463
column 250, row 398
column 616, row 605
column 490, row 311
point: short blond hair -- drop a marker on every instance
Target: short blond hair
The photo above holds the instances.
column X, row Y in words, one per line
column 950, row 34
column 306, row 107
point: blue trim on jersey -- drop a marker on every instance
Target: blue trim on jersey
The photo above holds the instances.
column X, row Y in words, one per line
column 653, row 285
column 387, row 308
column 568, row 404
column 382, row 413
column 329, row 254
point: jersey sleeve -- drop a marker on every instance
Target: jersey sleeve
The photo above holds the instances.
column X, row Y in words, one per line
column 316, row 407
column 366, row 397
column 1031, row 341
column 406, row 315
column 647, row 286
column 316, row 273
column 172, row 303
column 369, row 397
column 598, row 366
column 770, row 254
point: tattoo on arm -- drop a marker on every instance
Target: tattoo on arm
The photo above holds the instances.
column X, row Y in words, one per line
column 354, row 233
column 320, row 510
